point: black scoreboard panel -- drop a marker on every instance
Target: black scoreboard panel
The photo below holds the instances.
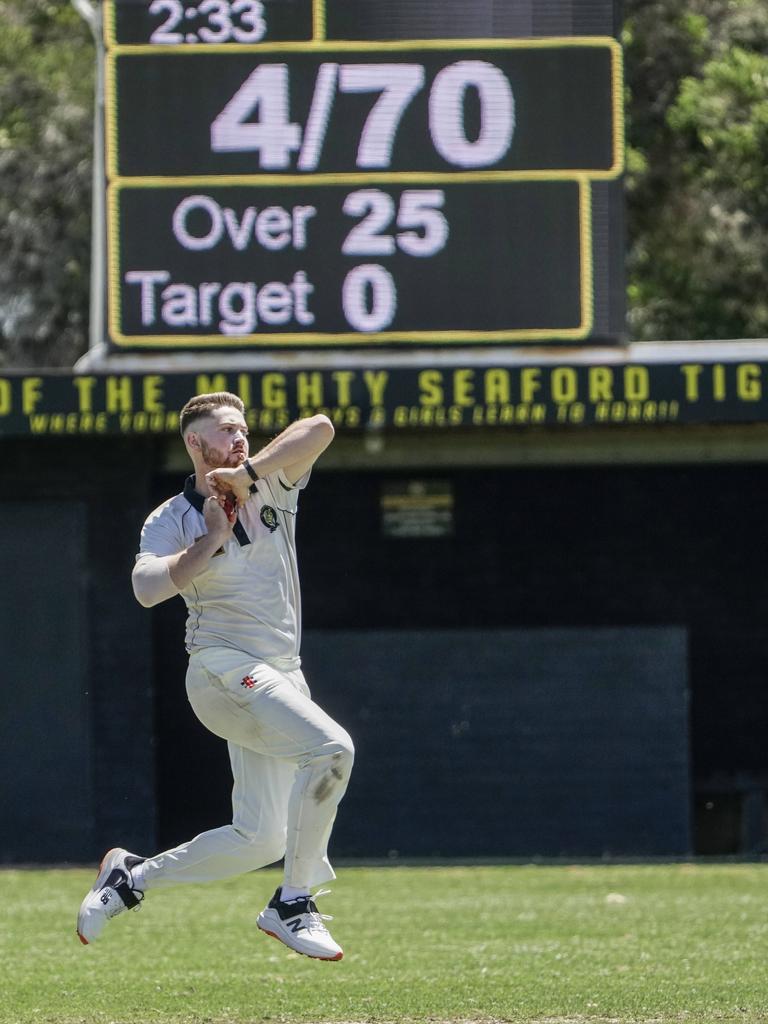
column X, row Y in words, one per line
column 288, row 173
column 174, row 22
column 449, row 110
column 375, row 281
column 406, row 19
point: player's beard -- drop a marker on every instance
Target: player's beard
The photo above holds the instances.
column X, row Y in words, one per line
column 214, row 458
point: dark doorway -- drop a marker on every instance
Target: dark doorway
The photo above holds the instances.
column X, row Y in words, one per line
column 46, row 802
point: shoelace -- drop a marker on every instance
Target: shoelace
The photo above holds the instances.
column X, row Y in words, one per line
column 315, row 917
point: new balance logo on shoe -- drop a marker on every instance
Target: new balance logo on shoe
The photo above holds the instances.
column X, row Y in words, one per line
column 298, row 925
column 104, row 898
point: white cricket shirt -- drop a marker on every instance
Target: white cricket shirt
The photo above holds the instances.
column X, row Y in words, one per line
column 248, row 597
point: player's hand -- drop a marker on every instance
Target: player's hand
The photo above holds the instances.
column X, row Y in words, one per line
column 219, row 519
column 225, row 482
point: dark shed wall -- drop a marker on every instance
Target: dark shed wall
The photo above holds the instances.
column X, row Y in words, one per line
column 585, row 548
column 47, row 795
column 588, row 547
column 77, row 669
column 554, row 742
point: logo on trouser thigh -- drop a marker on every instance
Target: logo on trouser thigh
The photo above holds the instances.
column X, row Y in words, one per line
column 248, row 682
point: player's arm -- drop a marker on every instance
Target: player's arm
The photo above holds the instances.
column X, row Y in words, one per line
column 294, row 451
column 156, row 577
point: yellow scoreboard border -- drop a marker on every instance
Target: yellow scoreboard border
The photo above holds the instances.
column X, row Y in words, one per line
column 360, row 340
column 572, row 42
column 320, row 44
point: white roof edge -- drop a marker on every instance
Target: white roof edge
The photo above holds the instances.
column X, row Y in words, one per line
column 101, row 360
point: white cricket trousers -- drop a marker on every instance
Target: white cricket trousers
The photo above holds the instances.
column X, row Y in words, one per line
column 291, row 764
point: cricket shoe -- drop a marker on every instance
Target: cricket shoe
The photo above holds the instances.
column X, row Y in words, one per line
column 111, row 894
column 298, row 924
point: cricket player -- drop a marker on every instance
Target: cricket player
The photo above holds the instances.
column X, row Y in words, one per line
column 227, row 545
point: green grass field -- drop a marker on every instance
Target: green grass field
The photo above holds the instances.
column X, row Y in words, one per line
column 684, row 943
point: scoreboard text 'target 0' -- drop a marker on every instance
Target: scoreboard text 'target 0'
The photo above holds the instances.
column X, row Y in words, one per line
column 268, row 185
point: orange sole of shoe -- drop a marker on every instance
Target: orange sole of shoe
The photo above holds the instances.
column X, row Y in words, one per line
column 327, row 959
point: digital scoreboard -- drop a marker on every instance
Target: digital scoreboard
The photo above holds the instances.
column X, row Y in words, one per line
column 269, row 185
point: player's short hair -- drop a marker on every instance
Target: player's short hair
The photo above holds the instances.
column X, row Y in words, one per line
column 203, row 405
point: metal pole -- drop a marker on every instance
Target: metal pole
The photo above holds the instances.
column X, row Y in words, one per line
column 86, row 11
column 92, row 14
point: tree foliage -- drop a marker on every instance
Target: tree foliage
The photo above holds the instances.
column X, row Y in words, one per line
column 46, row 116
column 697, row 83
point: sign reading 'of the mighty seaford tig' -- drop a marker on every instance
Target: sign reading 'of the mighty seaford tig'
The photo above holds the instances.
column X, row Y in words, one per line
column 270, row 186
column 397, row 399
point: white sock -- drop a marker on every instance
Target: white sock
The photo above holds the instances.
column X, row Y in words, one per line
column 288, row 893
column 137, row 877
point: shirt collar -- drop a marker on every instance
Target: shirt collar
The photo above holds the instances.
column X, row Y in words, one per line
column 197, row 501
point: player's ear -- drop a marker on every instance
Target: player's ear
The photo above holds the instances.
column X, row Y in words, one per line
column 193, row 441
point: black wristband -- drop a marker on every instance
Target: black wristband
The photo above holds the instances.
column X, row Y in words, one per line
column 252, row 474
